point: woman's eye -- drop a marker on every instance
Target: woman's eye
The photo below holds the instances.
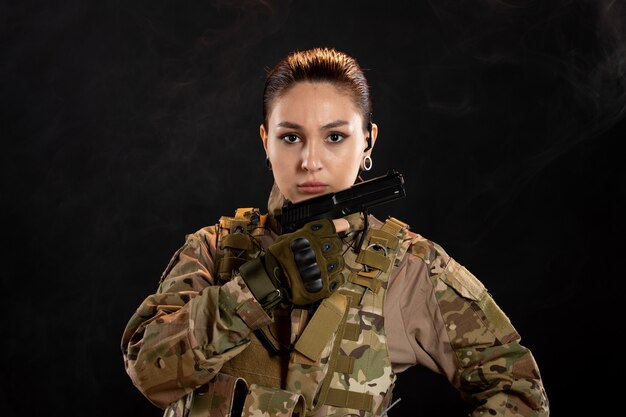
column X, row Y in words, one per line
column 335, row 137
column 291, row 138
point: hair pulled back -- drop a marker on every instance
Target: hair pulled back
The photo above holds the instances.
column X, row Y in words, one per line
column 318, row 65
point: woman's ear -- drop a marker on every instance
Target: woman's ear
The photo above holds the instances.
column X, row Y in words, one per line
column 374, row 134
column 263, row 134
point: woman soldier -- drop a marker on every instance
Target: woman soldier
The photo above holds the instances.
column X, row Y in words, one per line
column 317, row 322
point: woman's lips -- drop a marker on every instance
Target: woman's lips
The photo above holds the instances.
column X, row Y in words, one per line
column 312, row 187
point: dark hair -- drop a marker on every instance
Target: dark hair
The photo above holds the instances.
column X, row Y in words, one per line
column 319, row 65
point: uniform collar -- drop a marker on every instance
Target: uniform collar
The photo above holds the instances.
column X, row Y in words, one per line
column 276, row 201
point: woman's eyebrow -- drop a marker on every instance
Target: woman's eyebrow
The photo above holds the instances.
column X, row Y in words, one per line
column 334, row 124
column 289, row 125
column 331, row 125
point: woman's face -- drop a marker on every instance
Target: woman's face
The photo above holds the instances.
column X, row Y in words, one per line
column 314, row 140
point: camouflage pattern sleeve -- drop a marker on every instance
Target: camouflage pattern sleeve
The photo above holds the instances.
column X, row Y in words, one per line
column 470, row 339
column 179, row 338
column 495, row 373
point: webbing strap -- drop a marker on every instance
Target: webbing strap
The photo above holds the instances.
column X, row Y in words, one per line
column 349, row 399
column 378, row 252
column 383, row 238
column 375, row 259
column 345, row 364
column 365, row 281
column 353, row 299
column 229, row 264
column 260, row 285
column 393, row 226
column 351, row 331
column 236, row 241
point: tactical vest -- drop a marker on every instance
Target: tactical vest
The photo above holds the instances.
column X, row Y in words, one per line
column 338, row 363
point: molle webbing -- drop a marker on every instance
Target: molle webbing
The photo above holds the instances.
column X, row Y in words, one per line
column 236, row 240
column 379, row 251
column 380, row 248
column 345, row 364
column 335, row 333
column 351, row 331
column 349, row 399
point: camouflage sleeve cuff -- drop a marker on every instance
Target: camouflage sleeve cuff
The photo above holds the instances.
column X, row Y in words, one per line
column 247, row 307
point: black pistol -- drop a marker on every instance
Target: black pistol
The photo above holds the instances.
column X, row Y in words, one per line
column 359, row 197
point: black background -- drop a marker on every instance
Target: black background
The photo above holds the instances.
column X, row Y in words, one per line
column 126, row 125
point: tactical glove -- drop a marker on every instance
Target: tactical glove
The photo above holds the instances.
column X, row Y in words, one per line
column 302, row 267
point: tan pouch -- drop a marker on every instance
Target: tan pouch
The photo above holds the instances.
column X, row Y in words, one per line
column 223, row 396
column 272, row 402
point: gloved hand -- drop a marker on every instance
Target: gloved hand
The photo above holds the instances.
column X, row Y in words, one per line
column 303, row 266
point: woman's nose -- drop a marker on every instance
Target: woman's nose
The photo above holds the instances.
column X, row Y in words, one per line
column 311, row 160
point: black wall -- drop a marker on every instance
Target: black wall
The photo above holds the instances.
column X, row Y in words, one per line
column 126, row 125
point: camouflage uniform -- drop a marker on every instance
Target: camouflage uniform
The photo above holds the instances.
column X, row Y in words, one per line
column 190, row 348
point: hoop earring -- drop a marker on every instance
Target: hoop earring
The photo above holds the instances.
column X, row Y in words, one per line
column 268, row 164
column 367, row 163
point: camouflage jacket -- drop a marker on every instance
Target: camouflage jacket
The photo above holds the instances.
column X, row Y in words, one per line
column 437, row 314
